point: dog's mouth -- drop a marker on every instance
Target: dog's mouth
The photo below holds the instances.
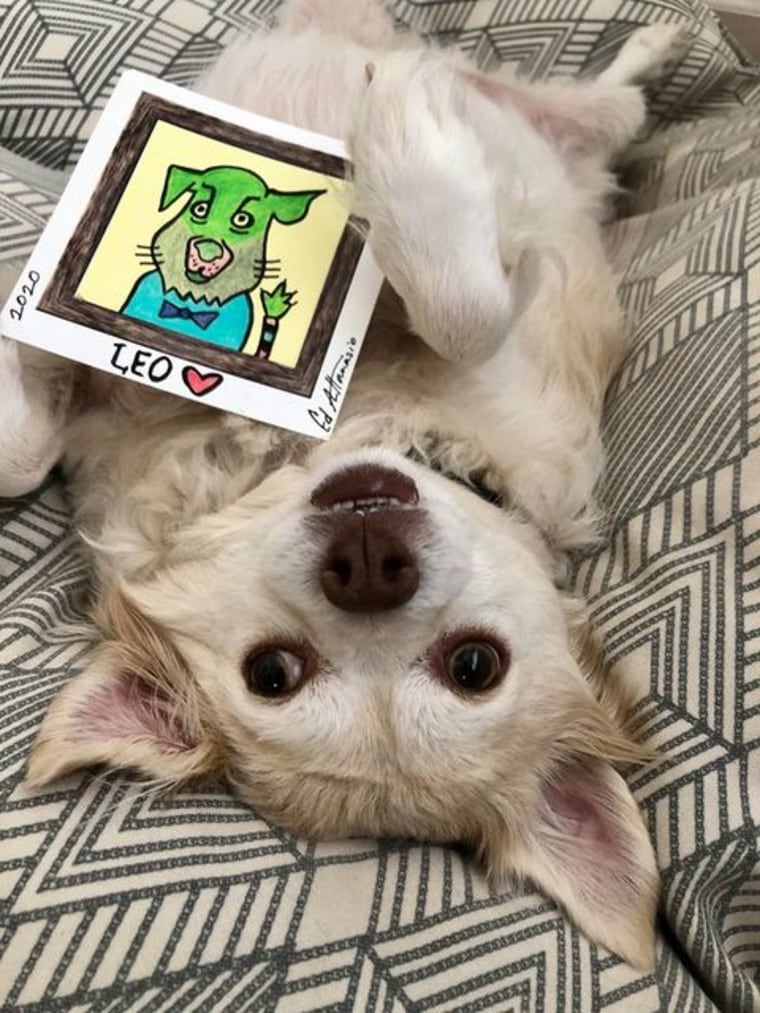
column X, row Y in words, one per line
column 366, row 488
column 367, row 506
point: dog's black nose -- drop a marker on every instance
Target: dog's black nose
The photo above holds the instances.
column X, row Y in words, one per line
column 367, row 567
column 369, row 514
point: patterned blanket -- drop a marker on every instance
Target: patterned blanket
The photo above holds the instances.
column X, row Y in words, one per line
column 114, row 899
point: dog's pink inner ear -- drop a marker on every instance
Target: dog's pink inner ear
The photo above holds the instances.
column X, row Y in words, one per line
column 579, row 813
column 588, row 847
column 129, row 708
column 589, row 832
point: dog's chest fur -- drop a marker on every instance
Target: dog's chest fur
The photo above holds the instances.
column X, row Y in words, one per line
column 167, row 461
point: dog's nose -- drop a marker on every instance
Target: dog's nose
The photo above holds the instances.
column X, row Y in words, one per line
column 367, row 566
column 369, row 514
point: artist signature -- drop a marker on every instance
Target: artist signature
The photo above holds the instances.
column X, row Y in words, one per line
column 332, row 389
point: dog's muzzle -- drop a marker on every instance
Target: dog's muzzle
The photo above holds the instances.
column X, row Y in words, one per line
column 207, row 257
column 370, row 518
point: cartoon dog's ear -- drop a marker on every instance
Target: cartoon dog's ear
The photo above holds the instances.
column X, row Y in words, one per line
column 289, row 208
column 178, row 181
column 585, row 844
column 132, row 706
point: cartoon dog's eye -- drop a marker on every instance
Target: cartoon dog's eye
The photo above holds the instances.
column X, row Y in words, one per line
column 470, row 662
column 273, row 672
column 199, row 210
column 242, row 220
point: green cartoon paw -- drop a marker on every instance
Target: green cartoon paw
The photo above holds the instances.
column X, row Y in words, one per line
column 278, row 302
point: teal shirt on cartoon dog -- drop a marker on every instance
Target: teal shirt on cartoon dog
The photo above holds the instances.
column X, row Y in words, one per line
column 226, row 325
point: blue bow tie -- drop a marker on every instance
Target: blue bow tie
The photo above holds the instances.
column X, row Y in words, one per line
column 203, row 318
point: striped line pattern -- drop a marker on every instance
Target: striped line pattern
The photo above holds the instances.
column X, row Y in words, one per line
column 113, row 899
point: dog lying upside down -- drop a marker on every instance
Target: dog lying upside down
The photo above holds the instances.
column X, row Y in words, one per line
column 352, row 634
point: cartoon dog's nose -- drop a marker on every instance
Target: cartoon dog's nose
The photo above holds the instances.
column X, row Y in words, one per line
column 208, row 250
column 369, row 514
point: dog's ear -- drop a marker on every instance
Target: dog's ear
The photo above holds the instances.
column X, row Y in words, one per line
column 289, row 208
column 584, row 843
column 178, row 181
column 134, row 705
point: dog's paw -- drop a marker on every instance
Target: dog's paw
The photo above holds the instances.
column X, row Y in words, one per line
column 33, row 410
column 649, row 53
column 409, row 116
column 660, row 48
column 422, row 181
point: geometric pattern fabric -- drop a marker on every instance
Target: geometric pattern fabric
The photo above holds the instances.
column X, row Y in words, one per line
column 113, row 898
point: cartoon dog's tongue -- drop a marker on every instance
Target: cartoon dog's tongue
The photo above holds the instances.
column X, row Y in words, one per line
column 206, row 258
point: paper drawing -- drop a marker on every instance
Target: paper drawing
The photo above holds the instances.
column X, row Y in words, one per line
column 210, row 257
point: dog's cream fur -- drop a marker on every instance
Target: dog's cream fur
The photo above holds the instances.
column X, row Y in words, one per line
column 484, row 198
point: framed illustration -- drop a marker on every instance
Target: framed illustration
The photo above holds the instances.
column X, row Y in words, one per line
column 207, row 251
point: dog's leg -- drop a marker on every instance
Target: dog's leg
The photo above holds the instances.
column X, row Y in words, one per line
column 647, row 54
column 424, row 185
column 584, row 120
column 36, row 392
column 592, row 121
column 366, row 22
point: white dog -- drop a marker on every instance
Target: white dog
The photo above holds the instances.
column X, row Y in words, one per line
column 365, row 636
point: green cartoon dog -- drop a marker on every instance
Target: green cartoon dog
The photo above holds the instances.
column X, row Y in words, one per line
column 212, row 255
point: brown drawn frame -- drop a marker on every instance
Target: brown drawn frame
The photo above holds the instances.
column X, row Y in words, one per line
column 59, row 298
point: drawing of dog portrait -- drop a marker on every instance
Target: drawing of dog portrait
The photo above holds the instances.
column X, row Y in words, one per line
column 213, row 254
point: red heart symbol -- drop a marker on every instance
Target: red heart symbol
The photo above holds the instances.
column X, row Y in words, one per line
column 200, row 383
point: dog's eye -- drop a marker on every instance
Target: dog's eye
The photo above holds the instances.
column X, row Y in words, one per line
column 242, row 220
column 273, row 672
column 474, row 666
column 199, row 210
